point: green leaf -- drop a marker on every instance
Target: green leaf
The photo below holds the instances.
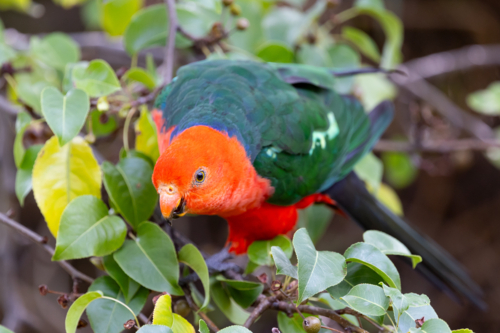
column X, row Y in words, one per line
column 77, row 308
column 374, row 89
column 4, row 329
column 97, row 80
column 463, row 330
column 148, row 28
column 399, row 302
column 317, row 270
column 389, row 245
column 78, row 68
column 61, row 174
column 362, row 41
column 245, row 293
column 107, row 316
column 367, row 299
column 203, row 327
column 375, row 4
column 370, row 170
column 343, row 57
column 389, row 198
column 162, row 314
column 283, row 264
column 192, row 257
column 253, row 36
column 259, row 252
column 399, row 169
column 336, row 304
column 55, row 50
column 313, row 55
column 29, row 90
column 356, row 274
column 315, row 219
column 142, row 76
column 102, row 123
column 275, row 52
column 22, row 122
column 65, row 114
column 25, row 171
column 146, row 140
column 87, row 230
column 235, row 329
column 154, row 329
column 434, row 325
column 226, row 304
column 283, row 24
column 116, row 15
column 128, row 286
column 7, row 53
column 150, row 259
column 417, row 310
column 130, row 189
column 486, row 101
column 293, row 324
column 372, row 257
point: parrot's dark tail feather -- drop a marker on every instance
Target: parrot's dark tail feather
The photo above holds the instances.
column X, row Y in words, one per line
column 366, row 70
column 438, row 265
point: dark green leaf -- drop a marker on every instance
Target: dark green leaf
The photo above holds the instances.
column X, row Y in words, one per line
column 128, row 286
column 226, row 304
column 203, row 327
column 260, row 251
column 389, row 245
column 77, row 308
column 192, row 257
column 130, row 189
column 315, row 219
column 107, row 316
column 367, row 299
column 87, row 230
column 317, row 270
column 372, row 257
column 97, row 80
column 243, row 292
column 151, row 259
column 356, row 274
column 102, row 123
column 65, row 114
column 22, row 122
column 283, row 264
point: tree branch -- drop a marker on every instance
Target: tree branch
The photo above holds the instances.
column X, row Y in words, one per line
column 436, row 146
column 42, row 241
column 195, row 308
column 170, row 48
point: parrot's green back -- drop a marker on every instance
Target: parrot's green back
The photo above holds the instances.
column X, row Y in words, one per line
column 296, row 129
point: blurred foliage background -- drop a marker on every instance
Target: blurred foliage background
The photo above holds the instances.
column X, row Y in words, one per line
column 452, row 195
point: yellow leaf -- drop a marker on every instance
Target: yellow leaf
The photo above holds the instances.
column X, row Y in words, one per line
column 146, row 140
column 61, row 174
column 390, row 199
column 116, row 15
column 181, row 325
column 68, row 3
column 162, row 314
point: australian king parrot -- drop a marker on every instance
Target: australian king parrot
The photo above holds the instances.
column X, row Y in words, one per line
column 253, row 142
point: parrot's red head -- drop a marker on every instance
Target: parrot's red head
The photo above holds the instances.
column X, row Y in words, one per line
column 204, row 171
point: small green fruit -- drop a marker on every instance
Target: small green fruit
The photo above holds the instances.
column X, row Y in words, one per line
column 311, row 325
column 182, row 308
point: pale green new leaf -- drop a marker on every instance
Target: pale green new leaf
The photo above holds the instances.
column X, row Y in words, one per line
column 77, row 308
column 116, row 15
column 367, row 299
column 56, row 50
column 362, row 41
column 151, row 259
column 142, row 76
column 317, row 270
column 87, row 230
column 146, row 140
column 486, row 101
column 65, row 114
column 389, row 245
column 283, row 264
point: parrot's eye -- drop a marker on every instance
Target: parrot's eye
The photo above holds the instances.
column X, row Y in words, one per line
column 199, row 176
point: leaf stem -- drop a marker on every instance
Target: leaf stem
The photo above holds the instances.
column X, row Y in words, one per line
column 126, row 128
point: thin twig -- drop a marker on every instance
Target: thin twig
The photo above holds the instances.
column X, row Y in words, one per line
column 170, row 48
column 437, row 146
column 196, row 309
column 264, row 303
column 42, row 242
